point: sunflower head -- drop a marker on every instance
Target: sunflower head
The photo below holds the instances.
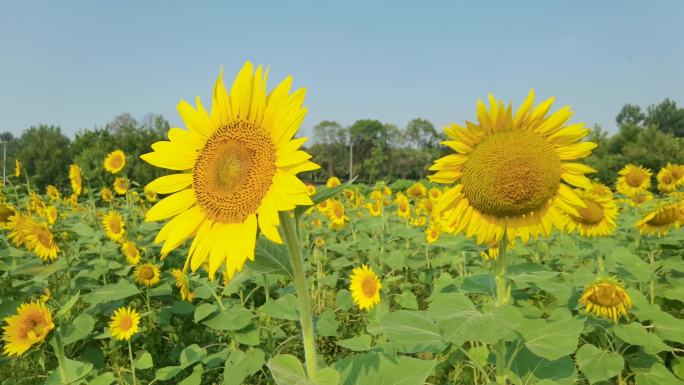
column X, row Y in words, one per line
column 667, row 182
column 310, row 189
column 120, row 185
column 106, row 194
column 417, row 190
column 182, row 283
column 365, row 287
column 633, row 180
column 131, row 252
column 419, row 221
column 114, row 226
column 434, row 194
column 51, row 214
column 512, row 172
column 75, row 179
column 17, row 168
column 376, row 195
column 115, row 161
column 7, row 212
column 375, row 208
column 28, row 327
column 677, row 171
column 319, row 242
column 336, row 214
column 39, row 239
column 662, row 219
column 333, row 181
column 606, row 298
column 238, row 167
column 432, row 233
column 147, row 274
column 597, row 217
column 403, row 206
column 124, row 323
column 52, row 193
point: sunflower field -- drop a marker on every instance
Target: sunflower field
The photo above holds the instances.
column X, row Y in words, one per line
column 510, row 264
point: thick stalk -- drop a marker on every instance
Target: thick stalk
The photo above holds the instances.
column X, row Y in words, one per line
column 130, row 356
column 61, row 358
column 502, row 298
column 306, row 321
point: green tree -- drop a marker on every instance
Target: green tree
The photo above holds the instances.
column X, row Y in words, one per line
column 45, row 154
column 666, row 117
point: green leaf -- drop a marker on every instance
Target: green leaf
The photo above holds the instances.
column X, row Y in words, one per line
column 287, row 370
column 531, row 369
column 383, row 369
column 327, row 324
column 412, row 331
column 635, row 334
column 471, row 325
column 357, row 344
column 657, row 375
column 167, row 372
column 230, row 319
column 678, row 366
column 64, row 310
column 407, row 300
column 271, row 258
column 195, row 378
column 40, row 269
column 103, row 379
column 551, row 339
column 144, row 361
column 448, row 305
column 204, row 310
column 284, row 307
column 326, row 376
column 344, row 300
column 109, row 293
column 79, row 329
column 598, row 365
column 479, row 284
column 191, row 355
column 75, row 372
column 668, row 327
column 240, row 365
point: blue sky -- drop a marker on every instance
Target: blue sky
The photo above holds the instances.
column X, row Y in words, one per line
column 77, row 64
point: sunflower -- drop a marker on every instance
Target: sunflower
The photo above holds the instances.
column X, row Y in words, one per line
column 51, row 214
column 375, row 208
column 434, row 194
column 319, row 242
column 75, row 179
column 677, row 171
column 7, row 212
column 425, row 206
column 514, row 172
column 419, row 221
column 323, row 206
column 238, row 170
column 47, row 294
column 310, row 189
column 403, row 206
column 131, row 252
column 365, row 287
column 147, row 274
column 333, row 181
column 40, row 240
column 106, row 194
column 124, row 323
column 52, row 192
column 120, row 185
column 376, row 195
column 114, row 226
column 638, row 199
column 491, row 254
column 338, row 219
column 597, row 218
column 417, row 190
column 36, row 204
column 17, row 168
column 28, row 327
column 349, row 194
column 183, row 284
column 606, row 298
column 115, row 161
column 666, row 181
column 662, row 219
column 633, row 179
column 432, row 233
column 19, row 225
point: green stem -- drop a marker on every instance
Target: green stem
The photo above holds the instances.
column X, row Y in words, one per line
column 61, row 358
column 130, row 356
column 503, row 295
column 293, row 246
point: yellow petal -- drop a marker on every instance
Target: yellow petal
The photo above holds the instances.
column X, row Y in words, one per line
column 171, row 205
column 168, row 184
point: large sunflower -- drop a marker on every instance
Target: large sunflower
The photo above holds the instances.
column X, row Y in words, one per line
column 597, row 218
column 28, row 327
column 633, row 180
column 238, row 169
column 512, row 172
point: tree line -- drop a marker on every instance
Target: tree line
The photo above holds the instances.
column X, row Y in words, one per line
column 371, row 149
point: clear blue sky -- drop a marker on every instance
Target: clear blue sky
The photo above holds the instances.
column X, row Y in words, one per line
column 77, row 64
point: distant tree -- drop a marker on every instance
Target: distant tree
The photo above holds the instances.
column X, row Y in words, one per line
column 630, row 114
column 331, row 147
column 45, row 154
column 422, row 134
column 666, row 117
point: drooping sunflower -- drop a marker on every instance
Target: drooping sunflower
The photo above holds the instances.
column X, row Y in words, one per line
column 606, row 298
column 114, row 226
column 365, row 287
column 513, row 172
column 666, row 181
column 106, row 194
column 417, row 190
column 52, row 193
column 432, row 233
column 662, row 219
column 7, row 212
column 238, row 170
column 147, row 274
column 115, row 161
column 39, row 239
column 28, row 327
column 633, row 180
column 597, row 218
column 183, row 284
column 120, row 185
column 131, row 252
column 75, row 179
column 333, row 181
column 124, row 323
column 336, row 214
column 17, row 168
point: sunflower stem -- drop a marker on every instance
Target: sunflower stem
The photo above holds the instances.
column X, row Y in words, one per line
column 130, row 356
column 503, row 296
column 61, row 358
column 306, row 321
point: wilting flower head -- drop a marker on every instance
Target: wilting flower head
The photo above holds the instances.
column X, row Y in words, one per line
column 28, row 327
column 662, row 219
column 183, row 284
column 365, row 287
column 606, row 298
